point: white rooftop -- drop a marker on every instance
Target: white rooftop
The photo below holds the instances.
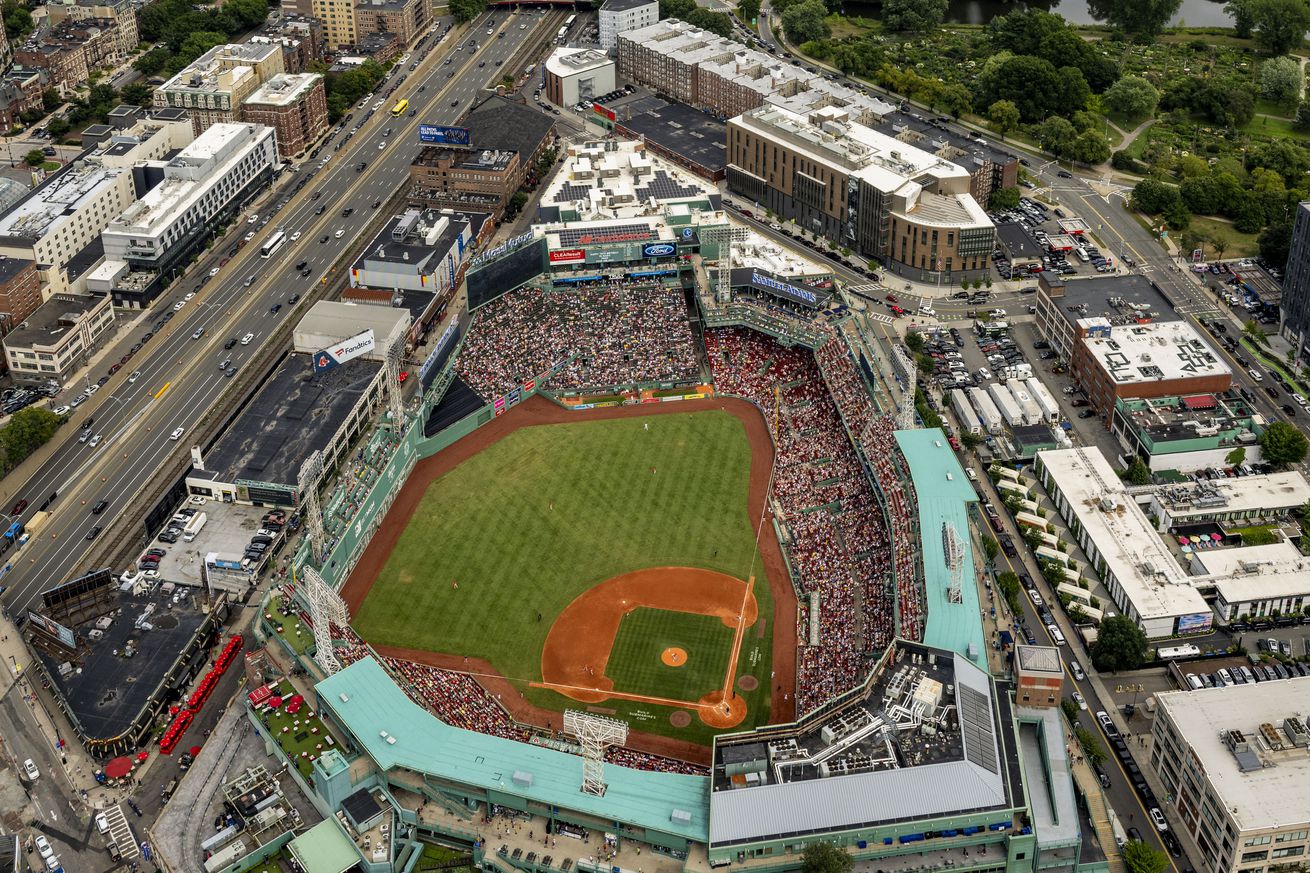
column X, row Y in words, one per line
column 283, row 89
column 1254, row 573
column 1269, row 492
column 1273, row 796
column 1139, row 353
column 58, row 200
column 571, row 61
column 1127, row 541
column 761, row 253
column 621, row 179
column 205, row 73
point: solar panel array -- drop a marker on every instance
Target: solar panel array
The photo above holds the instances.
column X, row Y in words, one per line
column 976, row 726
column 662, row 187
column 577, row 236
column 569, row 192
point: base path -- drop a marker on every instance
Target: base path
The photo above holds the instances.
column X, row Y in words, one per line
column 540, row 411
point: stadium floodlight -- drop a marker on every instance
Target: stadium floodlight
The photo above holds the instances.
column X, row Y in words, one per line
column 594, row 733
column 325, row 607
column 312, row 514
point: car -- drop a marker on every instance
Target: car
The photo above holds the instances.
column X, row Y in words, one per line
column 323, row 239
column 339, row 234
column 229, row 344
column 245, row 340
column 1077, row 402
column 1080, row 700
column 890, row 298
column 230, row 372
column 293, row 300
column 1087, row 413
column 93, row 533
column 1077, row 670
column 18, row 508
column 225, row 363
column 275, row 309
column 102, row 823
column 91, row 389
column 95, row 440
column 178, row 305
column 1157, row 819
column 176, row 434
column 1065, row 174
column 295, row 236
column 213, row 272
column 61, row 410
column 136, row 374
column 43, row 846
column 30, row 771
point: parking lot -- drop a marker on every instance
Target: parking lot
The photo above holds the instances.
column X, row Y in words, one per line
column 1034, row 238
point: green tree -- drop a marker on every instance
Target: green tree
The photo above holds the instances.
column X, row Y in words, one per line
column 1243, row 14
column 58, row 127
column 137, row 93
column 822, row 857
column 1057, row 135
column 1141, row 858
column 1034, row 85
column 1281, row 80
column 1235, row 458
column 1092, row 749
column 1003, row 199
column 34, row 158
column 806, row 20
column 1153, row 197
column 970, row 440
column 467, row 10
column 913, row 16
column 152, row 63
column 749, row 10
column 1132, row 96
column 1137, row 473
column 1140, row 18
column 954, row 99
column 1275, row 241
column 1008, row 582
column 27, row 430
column 1302, row 120
column 991, row 548
column 1282, row 444
column 18, row 20
column 914, row 341
column 1280, row 25
column 1004, row 116
column 1091, row 147
column 1120, row 645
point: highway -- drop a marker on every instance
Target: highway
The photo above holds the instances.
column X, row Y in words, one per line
column 179, row 376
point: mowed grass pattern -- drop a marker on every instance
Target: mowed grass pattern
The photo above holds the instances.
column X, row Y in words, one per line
column 489, row 525
column 636, row 664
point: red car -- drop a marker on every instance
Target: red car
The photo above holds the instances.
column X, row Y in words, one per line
column 114, row 369
column 18, row 508
column 955, row 444
column 891, row 298
column 896, row 310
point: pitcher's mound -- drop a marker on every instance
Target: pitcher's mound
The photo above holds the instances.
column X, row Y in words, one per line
column 673, row 657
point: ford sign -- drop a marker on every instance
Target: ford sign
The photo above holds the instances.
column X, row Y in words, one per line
column 658, row 250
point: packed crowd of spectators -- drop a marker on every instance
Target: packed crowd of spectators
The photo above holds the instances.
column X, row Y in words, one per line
column 833, row 526
column 612, row 333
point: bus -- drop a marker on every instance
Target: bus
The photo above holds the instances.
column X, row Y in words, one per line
column 399, row 109
column 274, row 243
column 562, row 36
column 1174, row 653
column 568, row 22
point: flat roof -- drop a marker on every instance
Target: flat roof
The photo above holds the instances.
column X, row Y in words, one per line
column 1113, row 297
column 1168, row 419
column 1038, row 659
column 337, row 320
column 1256, row 572
column 228, row 529
column 1267, row 492
column 696, row 136
column 51, row 320
column 1270, row 796
column 1017, row 241
column 325, row 848
column 618, row 179
column 625, row 5
column 103, row 702
column 1139, row 353
column 1121, row 533
column 411, row 247
column 841, row 770
column 396, row 732
column 57, row 199
column 294, row 414
column 944, row 493
column 569, row 61
column 284, row 89
column 11, row 267
column 1053, row 807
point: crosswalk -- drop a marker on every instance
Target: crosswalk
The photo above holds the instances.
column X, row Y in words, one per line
column 120, row 831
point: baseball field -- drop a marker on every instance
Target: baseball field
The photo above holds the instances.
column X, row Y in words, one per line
column 607, row 565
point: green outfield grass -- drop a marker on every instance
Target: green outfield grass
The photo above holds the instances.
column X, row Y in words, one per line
column 548, row 512
column 635, row 662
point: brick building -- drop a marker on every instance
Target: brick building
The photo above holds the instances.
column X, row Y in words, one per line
column 295, row 106
column 122, row 14
column 63, row 64
column 20, row 90
column 20, row 291
column 405, row 18
column 212, row 89
column 301, row 39
column 381, row 46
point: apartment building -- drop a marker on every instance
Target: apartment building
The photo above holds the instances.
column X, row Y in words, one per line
column 301, row 39
column 20, row 291
column 1234, row 762
column 57, row 338
column 1295, row 303
column 338, row 17
column 122, row 13
column 620, row 16
column 575, row 75
column 212, row 89
column 843, row 180
column 20, row 90
column 64, row 63
column 405, row 18
column 295, row 106
column 207, row 180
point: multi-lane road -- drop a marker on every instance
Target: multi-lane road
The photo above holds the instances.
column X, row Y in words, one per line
column 179, row 377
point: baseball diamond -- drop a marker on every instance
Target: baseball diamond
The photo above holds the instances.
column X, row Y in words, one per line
column 506, row 554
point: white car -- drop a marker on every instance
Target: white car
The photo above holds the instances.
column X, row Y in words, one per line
column 339, row 234
column 177, row 307
column 1299, row 398
column 253, row 219
column 95, row 440
column 295, row 236
column 136, row 374
column 91, row 389
column 1077, row 670
column 44, row 848
column 176, row 434
column 1080, row 700
column 102, row 823
column 213, row 272
column 61, row 410
column 382, row 145
column 189, row 295
column 997, row 313
column 250, row 236
column 245, row 340
column 1157, row 818
column 30, row 771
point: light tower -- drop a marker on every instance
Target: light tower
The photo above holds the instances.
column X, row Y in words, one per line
column 310, row 511
column 325, row 607
column 594, row 733
column 726, row 237
column 394, row 354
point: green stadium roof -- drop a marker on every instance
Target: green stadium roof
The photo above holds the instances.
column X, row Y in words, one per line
column 325, row 849
column 396, row 732
column 944, row 493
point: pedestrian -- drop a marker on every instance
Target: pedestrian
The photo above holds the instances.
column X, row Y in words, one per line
column 453, row 585
column 538, row 616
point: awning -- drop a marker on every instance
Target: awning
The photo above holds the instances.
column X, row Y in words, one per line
column 1200, row 401
column 118, row 767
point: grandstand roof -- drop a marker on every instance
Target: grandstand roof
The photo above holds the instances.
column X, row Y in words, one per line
column 944, row 494
column 396, row 732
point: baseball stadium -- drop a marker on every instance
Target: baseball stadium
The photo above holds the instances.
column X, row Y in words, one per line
column 651, row 564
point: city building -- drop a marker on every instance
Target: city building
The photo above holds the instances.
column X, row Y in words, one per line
column 882, row 198
column 1130, row 299
column 214, row 86
column 1193, row 432
column 20, row 91
column 381, row 46
column 63, row 215
column 620, row 16
column 421, row 251
column 209, row 179
column 120, row 13
column 688, row 137
column 577, row 75
column 338, row 17
column 20, row 291
column 301, row 39
column 1158, row 359
column 294, row 105
column 405, row 18
column 57, row 338
column 62, row 62
column 1039, row 676
column 1295, row 303
column 505, row 141
column 1260, row 583
column 6, row 51
column 1234, row 762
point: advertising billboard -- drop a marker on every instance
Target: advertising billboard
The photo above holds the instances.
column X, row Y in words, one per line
column 346, row 350
column 760, row 280
column 568, row 256
column 658, row 250
column 602, row 111
column 1198, row 623
column 53, row 629
column 439, row 134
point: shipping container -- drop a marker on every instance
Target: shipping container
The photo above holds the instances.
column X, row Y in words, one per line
column 964, row 412
column 1044, row 399
column 987, row 411
column 1004, row 401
